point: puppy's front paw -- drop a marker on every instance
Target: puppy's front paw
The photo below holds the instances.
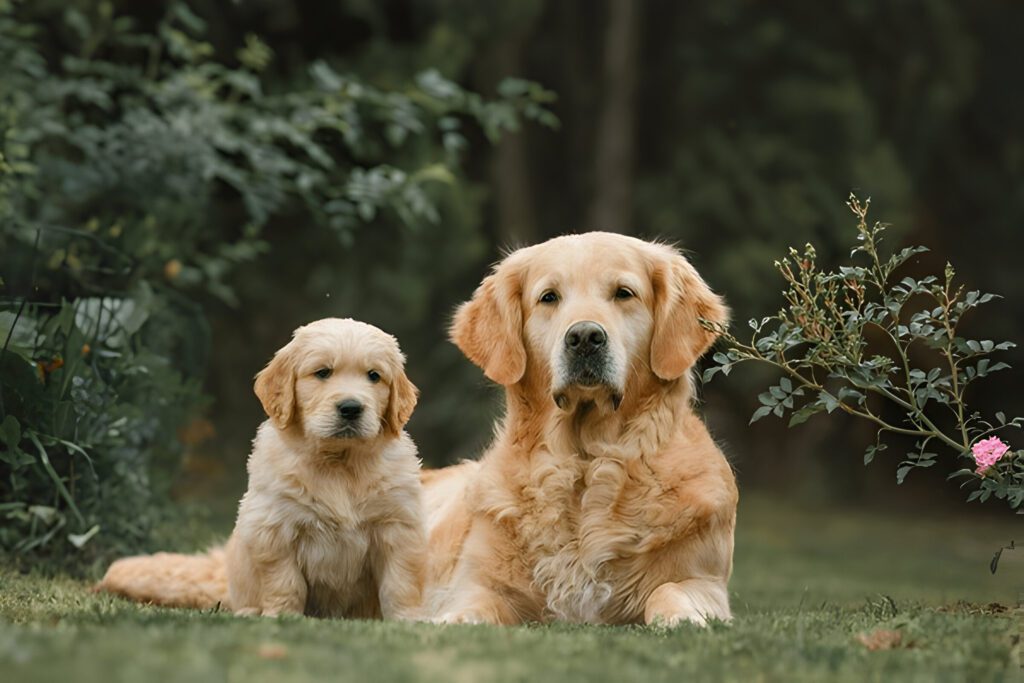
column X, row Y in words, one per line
column 269, row 612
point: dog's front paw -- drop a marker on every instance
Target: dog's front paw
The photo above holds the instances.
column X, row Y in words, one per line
column 262, row 612
column 467, row 617
column 671, row 621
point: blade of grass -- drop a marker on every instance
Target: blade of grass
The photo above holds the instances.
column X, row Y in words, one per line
column 57, row 481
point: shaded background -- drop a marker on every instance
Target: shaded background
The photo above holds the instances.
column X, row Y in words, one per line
column 735, row 129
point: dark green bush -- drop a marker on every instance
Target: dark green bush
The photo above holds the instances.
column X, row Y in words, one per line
column 137, row 173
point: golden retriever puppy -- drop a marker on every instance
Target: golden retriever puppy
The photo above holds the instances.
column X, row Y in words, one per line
column 603, row 499
column 331, row 524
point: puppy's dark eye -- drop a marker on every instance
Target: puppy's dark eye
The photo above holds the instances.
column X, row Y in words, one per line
column 323, row 373
column 549, row 297
column 374, row 376
column 624, row 293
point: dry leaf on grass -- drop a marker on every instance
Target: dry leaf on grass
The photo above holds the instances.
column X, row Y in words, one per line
column 881, row 639
column 272, row 651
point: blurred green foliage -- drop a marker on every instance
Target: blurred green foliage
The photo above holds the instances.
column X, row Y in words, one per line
column 202, row 178
column 139, row 173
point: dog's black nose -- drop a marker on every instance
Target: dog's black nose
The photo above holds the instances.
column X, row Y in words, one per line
column 585, row 337
column 350, row 409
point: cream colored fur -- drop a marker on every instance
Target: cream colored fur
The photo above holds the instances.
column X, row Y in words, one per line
column 331, row 524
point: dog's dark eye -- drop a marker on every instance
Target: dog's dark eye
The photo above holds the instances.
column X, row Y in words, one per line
column 549, row 297
column 323, row 373
column 374, row 376
column 624, row 293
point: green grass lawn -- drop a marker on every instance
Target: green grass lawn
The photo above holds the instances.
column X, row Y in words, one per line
column 807, row 583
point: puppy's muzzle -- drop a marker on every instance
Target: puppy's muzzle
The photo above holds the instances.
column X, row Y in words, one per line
column 350, row 411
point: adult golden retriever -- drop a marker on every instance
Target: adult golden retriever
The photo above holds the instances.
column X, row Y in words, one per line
column 332, row 521
column 603, row 499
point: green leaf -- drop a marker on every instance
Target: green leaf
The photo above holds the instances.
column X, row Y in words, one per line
column 79, row 540
column 47, row 514
column 19, row 328
column 829, row 401
column 55, row 478
column 759, row 413
column 10, row 431
column 847, row 392
column 871, row 451
column 75, row 448
column 16, row 458
column 805, row 413
column 902, row 472
column 994, row 564
column 435, row 172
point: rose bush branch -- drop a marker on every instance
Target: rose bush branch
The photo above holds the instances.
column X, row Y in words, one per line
column 859, row 337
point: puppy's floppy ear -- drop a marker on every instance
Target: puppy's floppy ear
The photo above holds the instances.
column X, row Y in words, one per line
column 681, row 300
column 488, row 328
column 401, row 402
column 275, row 387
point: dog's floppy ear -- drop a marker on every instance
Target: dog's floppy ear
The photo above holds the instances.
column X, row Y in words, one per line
column 681, row 300
column 401, row 402
column 275, row 387
column 488, row 328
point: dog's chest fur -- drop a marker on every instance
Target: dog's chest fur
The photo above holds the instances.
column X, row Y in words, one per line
column 332, row 545
column 588, row 525
column 331, row 526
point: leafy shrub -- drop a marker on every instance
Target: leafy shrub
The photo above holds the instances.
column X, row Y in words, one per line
column 846, row 338
column 137, row 173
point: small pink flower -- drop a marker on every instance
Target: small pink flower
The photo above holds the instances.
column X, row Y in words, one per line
column 988, row 452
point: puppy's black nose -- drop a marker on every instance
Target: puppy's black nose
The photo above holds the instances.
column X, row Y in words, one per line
column 585, row 337
column 350, row 409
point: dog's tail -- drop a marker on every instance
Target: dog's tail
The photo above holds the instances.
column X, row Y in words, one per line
column 170, row 580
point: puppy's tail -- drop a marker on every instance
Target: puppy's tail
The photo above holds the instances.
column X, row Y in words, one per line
column 170, row 579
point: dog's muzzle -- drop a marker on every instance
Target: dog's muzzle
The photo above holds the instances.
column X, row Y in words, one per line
column 586, row 362
column 349, row 421
column 586, row 354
